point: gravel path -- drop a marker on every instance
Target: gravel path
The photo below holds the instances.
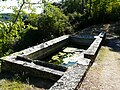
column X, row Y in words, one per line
column 105, row 71
column 104, row 74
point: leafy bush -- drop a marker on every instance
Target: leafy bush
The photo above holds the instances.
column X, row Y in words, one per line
column 39, row 28
column 75, row 20
column 105, row 10
column 9, row 34
column 53, row 23
column 71, row 6
column 117, row 31
column 113, row 11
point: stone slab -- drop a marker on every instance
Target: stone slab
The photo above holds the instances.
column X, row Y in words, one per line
column 72, row 78
column 92, row 51
column 31, row 69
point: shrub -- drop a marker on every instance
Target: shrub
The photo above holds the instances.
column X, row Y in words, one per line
column 9, row 34
column 53, row 23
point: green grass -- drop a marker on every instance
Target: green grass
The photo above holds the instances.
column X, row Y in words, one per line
column 11, row 82
column 13, row 85
column 102, row 53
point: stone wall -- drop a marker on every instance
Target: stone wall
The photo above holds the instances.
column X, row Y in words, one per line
column 92, row 51
column 48, row 48
column 14, row 64
column 72, row 78
column 82, row 40
column 31, row 69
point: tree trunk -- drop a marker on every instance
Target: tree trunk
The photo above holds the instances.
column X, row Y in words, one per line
column 90, row 8
column 82, row 8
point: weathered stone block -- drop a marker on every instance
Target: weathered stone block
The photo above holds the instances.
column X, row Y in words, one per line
column 31, row 69
column 92, row 51
column 72, row 78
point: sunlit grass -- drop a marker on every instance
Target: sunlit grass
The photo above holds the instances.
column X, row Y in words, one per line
column 13, row 85
column 102, row 53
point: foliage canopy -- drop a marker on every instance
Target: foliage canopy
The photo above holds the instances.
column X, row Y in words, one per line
column 56, row 19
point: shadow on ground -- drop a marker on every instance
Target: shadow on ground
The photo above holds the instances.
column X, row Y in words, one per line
column 113, row 37
column 34, row 81
column 114, row 44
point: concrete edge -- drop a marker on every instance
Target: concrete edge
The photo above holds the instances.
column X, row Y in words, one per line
column 31, row 69
column 72, row 78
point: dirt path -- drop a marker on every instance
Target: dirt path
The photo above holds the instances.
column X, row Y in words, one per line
column 105, row 72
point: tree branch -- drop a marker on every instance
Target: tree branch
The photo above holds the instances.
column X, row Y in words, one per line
column 15, row 18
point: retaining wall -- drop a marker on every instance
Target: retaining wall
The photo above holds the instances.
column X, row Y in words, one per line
column 13, row 64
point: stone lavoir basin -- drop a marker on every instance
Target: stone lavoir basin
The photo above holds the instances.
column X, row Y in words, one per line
column 68, row 56
column 65, row 57
column 64, row 60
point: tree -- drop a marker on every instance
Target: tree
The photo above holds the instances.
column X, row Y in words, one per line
column 70, row 6
column 53, row 23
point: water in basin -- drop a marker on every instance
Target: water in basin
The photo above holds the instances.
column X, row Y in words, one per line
column 68, row 56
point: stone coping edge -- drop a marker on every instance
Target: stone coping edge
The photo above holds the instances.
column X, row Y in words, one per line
column 72, row 78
